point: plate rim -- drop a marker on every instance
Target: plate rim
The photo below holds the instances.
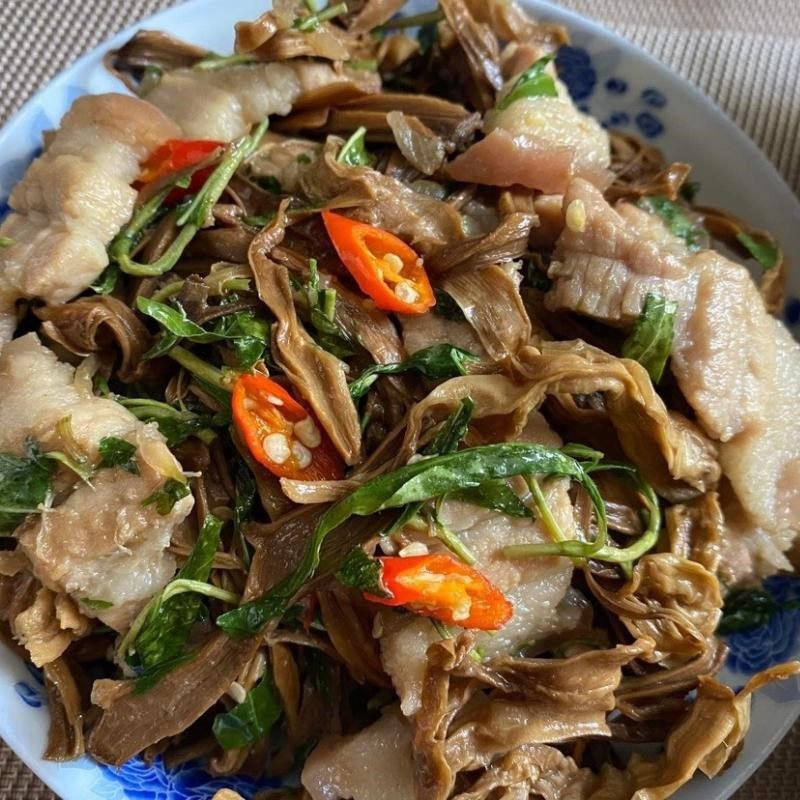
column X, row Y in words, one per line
column 545, row 8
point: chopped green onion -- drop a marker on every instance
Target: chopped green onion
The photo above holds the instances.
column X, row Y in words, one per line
column 213, row 61
column 314, row 20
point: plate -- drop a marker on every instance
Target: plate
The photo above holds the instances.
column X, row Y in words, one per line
column 624, row 88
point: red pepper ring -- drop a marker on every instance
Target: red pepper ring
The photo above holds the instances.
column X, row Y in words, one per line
column 280, row 433
column 444, row 588
column 175, row 155
column 384, row 267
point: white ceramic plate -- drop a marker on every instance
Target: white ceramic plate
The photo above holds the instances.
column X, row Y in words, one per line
column 624, row 88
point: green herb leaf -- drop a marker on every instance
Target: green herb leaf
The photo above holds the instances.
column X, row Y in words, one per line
column 689, row 191
column 746, row 609
column 418, row 482
column 96, row 605
column 175, row 321
column 243, row 508
column 494, row 495
column 24, row 485
column 447, row 308
column 438, row 362
column 6, row 241
column 176, row 426
column 362, row 64
column 249, row 335
column 162, row 629
column 767, row 253
column 534, row 82
column 330, row 335
column 107, row 281
column 650, row 341
column 359, row 571
column 252, row 720
column 354, row 150
column 453, row 431
column 116, row 452
column 675, row 219
column 165, row 498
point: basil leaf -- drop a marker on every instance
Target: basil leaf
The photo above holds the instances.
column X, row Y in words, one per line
column 534, row 82
column 249, row 335
column 496, row 496
column 354, row 150
column 446, row 307
column 438, row 362
column 417, row 482
column 359, row 571
column 650, row 341
column 746, row 609
column 165, row 498
column 676, row 220
column 24, row 485
column 107, row 281
column 176, row 426
column 163, row 635
column 765, row 252
column 116, row 452
column 453, row 431
column 252, row 719
column 175, row 321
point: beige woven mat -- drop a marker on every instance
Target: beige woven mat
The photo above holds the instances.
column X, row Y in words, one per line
column 743, row 53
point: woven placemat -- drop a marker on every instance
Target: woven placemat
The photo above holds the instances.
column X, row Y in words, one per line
column 743, row 53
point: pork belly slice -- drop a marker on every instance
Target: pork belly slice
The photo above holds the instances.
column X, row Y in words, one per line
column 738, row 367
column 74, row 198
column 538, row 142
column 100, row 542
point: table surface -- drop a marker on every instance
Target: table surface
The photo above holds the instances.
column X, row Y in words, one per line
column 745, row 54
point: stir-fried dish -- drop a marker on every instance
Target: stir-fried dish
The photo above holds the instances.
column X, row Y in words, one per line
column 374, row 419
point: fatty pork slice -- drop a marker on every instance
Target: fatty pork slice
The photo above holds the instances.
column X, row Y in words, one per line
column 374, row 764
column 100, row 543
column 537, row 587
column 538, row 142
column 738, row 367
column 223, row 104
column 74, row 198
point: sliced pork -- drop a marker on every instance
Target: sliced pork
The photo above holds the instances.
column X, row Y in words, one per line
column 73, row 200
column 738, row 367
column 223, row 104
column 116, row 548
column 536, row 587
column 539, row 142
column 373, row 764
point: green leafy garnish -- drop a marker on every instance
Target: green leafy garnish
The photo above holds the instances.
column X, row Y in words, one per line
column 438, row 361
column 534, row 82
column 313, row 21
column 176, row 426
column 191, row 217
column 746, row 609
column 418, row 482
column 249, row 336
column 689, row 191
column 160, row 631
column 362, row 64
column 359, row 571
column 6, row 241
column 447, row 308
column 650, row 341
column 452, row 432
column 165, row 498
column 412, row 21
column 252, row 719
column 573, row 548
column 354, row 150
column 116, row 452
column 496, row 496
column 767, row 253
column 24, row 485
column 243, row 508
column 96, row 605
column 676, row 220
column 329, row 334
column 107, row 281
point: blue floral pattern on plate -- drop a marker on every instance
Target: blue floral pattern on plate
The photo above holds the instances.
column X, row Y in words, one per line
column 759, row 648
